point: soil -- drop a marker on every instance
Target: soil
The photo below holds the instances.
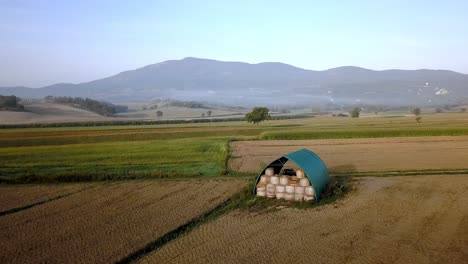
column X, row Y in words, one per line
column 106, row 223
column 411, row 219
column 360, row 155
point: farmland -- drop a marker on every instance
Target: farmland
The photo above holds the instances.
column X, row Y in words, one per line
column 160, row 193
column 412, row 219
column 175, row 151
column 106, row 222
column 362, row 156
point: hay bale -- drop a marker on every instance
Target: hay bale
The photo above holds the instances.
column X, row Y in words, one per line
column 269, row 172
column 274, row 179
column 289, row 189
column 304, row 182
column 300, row 174
column 284, row 180
column 289, row 196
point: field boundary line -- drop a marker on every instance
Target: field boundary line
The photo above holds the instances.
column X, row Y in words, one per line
column 175, row 233
column 22, row 208
column 399, row 173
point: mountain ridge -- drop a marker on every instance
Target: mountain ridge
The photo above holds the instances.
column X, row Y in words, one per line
column 264, row 83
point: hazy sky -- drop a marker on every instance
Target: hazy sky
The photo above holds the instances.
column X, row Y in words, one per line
column 46, row 42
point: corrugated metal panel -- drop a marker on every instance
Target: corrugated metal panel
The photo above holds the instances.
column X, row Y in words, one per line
column 310, row 163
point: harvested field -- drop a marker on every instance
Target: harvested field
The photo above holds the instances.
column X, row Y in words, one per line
column 19, row 196
column 408, row 219
column 361, row 155
column 106, row 223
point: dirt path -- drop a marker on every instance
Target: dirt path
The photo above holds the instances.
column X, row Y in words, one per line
column 421, row 219
column 370, row 154
column 106, row 223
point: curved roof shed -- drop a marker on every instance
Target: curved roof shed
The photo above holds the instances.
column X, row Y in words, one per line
column 314, row 168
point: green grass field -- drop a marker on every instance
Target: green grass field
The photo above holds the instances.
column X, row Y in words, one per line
column 115, row 160
column 179, row 151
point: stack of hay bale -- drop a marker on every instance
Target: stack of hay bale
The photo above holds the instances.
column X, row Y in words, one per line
column 290, row 188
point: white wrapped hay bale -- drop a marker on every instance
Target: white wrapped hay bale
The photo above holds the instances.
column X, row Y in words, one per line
column 309, row 190
column 308, row 198
column 289, row 189
column 271, row 188
column 300, row 174
column 261, row 189
column 298, row 197
column 284, row 180
column 304, row 182
column 269, row 172
column 280, row 189
column 289, row 196
column 274, row 179
column 293, row 178
column 299, row 190
column 264, row 179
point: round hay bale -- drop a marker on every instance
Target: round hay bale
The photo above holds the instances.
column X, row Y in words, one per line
column 270, row 195
column 300, row 174
column 269, row 172
column 309, row 190
column 299, row 190
column 280, row 195
column 274, row 179
column 264, row 179
column 261, row 188
column 271, row 188
column 261, row 193
column 284, row 180
column 280, row 188
column 293, row 178
column 289, row 189
column 289, row 196
column 304, row 182
column 298, row 197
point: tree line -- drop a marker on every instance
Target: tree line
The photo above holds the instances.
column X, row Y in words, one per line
column 98, row 107
column 10, row 103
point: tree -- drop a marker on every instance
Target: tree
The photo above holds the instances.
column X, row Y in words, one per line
column 463, row 110
column 203, row 115
column 438, row 110
column 355, row 112
column 159, row 113
column 418, row 119
column 209, row 112
column 416, row 111
column 258, row 115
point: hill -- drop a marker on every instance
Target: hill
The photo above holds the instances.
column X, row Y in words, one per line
column 269, row 83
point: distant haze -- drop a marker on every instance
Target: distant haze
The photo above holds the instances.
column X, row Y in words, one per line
column 47, row 42
column 269, row 83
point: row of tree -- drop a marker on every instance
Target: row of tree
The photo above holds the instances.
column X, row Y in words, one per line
column 98, row 107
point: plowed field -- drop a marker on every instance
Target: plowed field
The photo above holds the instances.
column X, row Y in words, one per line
column 106, row 223
column 421, row 219
column 361, row 155
column 19, row 196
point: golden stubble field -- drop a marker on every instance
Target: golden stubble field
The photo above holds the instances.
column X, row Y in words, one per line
column 411, row 219
column 361, row 155
column 106, row 222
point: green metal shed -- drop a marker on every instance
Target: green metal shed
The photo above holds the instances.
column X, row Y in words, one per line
column 314, row 168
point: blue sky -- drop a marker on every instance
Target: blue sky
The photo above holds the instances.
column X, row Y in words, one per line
column 45, row 42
